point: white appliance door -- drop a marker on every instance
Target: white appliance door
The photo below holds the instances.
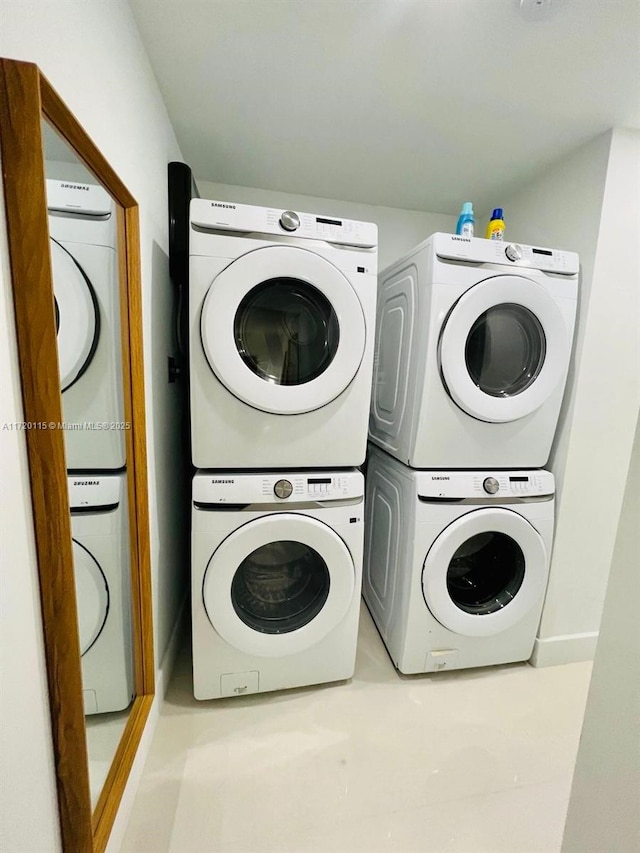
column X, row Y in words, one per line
column 278, row 585
column 283, row 330
column 503, row 349
column 484, row 572
column 77, row 316
column 92, row 596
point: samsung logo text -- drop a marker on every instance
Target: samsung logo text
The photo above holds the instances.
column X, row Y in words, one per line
column 86, row 482
column 226, row 206
column 75, row 187
column 223, row 481
column 441, row 478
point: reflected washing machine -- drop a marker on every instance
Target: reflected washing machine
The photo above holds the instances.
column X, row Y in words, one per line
column 473, row 342
column 101, row 547
column 83, row 240
column 456, row 563
column 281, row 319
column 276, row 580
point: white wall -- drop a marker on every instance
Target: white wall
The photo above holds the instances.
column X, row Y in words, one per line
column 398, row 230
column 589, row 203
column 603, row 809
column 91, row 52
column 28, row 807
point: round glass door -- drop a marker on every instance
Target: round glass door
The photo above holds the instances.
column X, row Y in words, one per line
column 278, row 584
column 283, row 329
column 92, row 596
column 286, row 331
column 503, row 349
column 77, row 315
column 485, row 572
column 280, row 587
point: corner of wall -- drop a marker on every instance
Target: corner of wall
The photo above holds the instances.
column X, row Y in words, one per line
column 588, row 203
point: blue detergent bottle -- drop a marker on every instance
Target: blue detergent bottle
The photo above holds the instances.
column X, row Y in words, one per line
column 465, row 220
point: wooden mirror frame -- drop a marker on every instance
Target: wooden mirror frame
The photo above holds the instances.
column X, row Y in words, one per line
column 26, row 98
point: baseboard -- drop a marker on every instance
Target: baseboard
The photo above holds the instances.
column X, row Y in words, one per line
column 567, row 648
column 163, row 677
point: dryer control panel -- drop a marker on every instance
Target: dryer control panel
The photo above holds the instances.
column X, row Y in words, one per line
column 478, row 251
column 277, row 487
column 498, row 485
column 249, row 218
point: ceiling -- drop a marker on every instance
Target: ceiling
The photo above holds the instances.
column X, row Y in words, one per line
column 417, row 104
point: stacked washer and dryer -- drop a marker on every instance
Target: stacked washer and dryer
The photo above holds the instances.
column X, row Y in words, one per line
column 473, row 344
column 281, row 313
column 83, row 246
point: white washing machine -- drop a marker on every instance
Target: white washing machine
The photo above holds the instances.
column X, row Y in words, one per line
column 456, row 562
column 473, row 342
column 281, row 318
column 83, row 240
column 101, row 548
column 276, row 580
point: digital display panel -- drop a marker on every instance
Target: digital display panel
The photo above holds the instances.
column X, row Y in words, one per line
column 319, row 481
column 542, row 252
column 328, row 221
column 518, row 479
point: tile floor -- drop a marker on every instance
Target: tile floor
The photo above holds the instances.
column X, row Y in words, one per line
column 478, row 761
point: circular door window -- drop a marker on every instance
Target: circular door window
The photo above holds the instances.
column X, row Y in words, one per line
column 278, row 585
column 283, row 329
column 503, row 349
column 77, row 316
column 286, row 331
column 92, row 596
column 485, row 572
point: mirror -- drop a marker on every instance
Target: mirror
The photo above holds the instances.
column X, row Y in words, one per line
column 83, row 242
column 74, row 255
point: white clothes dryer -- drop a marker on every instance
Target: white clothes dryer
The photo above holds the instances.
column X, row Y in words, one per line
column 282, row 312
column 82, row 229
column 276, row 580
column 101, row 548
column 456, row 563
column 473, row 343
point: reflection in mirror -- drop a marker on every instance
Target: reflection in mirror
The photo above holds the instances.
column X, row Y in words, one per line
column 83, row 241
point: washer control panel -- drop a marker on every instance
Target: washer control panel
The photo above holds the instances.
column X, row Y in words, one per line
column 278, row 487
column 74, row 197
column 99, row 492
column 498, row 485
column 479, row 251
column 249, row 218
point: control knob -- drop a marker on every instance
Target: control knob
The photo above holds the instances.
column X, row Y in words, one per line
column 290, row 221
column 513, row 252
column 491, row 485
column 283, row 489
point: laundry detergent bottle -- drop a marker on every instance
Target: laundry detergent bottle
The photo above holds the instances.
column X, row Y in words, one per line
column 465, row 220
column 495, row 226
